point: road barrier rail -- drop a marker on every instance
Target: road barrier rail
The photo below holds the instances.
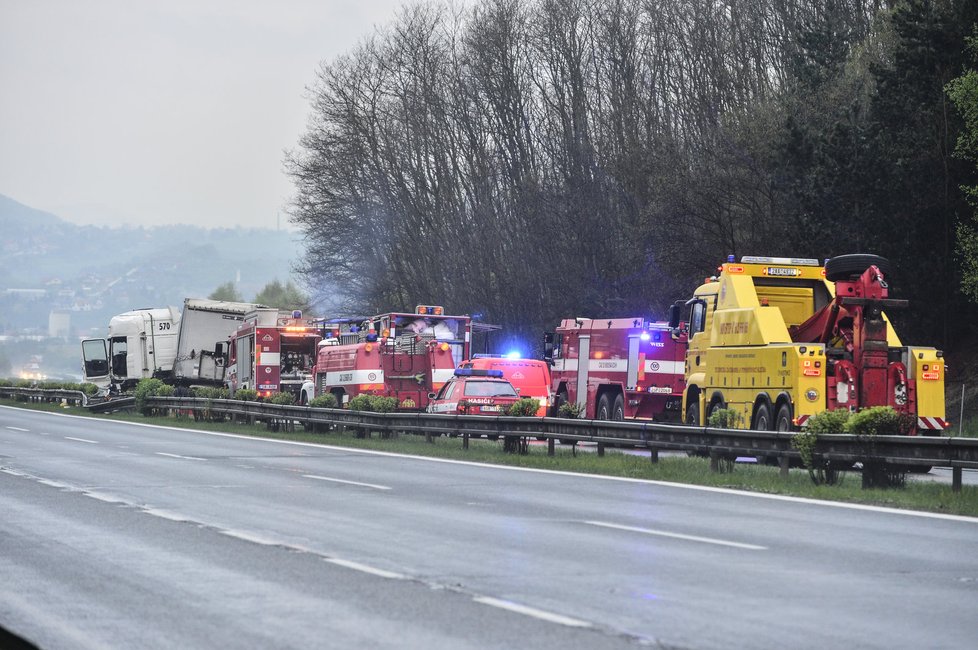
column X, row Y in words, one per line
column 899, row 451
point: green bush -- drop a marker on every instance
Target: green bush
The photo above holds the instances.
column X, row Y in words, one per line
column 725, row 419
column 285, row 399
column 373, row 403
column 88, row 388
column 524, row 407
column 246, row 395
column 209, row 392
column 327, row 401
column 570, row 410
column 828, row 422
column 359, row 403
column 875, row 421
column 149, row 388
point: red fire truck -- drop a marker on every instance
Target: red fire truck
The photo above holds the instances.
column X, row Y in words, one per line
column 400, row 355
column 617, row 368
column 272, row 351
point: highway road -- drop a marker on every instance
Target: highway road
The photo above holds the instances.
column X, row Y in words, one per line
column 121, row 535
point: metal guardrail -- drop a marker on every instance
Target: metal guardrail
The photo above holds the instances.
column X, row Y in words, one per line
column 74, row 397
column 956, row 453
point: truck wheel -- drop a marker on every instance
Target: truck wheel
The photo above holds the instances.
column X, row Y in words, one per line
column 762, row 418
column 562, row 399
column 559, row 401
column 604, row 408
column 782, row 421
column 844, row 267
column 618, row 410
column 693, row 419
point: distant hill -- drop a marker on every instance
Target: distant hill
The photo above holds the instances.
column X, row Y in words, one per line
column 13, row 213
column 104, row 270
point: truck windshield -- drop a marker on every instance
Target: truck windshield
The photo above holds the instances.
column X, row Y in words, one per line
column 489, row 389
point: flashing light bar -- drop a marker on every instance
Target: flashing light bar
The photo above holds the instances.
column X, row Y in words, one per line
column 475, row 372
column 796, row 261
column 430, row 310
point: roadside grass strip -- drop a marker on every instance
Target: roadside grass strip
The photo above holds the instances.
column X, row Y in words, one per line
column 933, row 499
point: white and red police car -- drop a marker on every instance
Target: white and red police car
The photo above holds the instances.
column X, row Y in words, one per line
column 474, row 392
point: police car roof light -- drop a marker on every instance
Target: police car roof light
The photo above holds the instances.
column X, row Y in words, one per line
column 476, row 372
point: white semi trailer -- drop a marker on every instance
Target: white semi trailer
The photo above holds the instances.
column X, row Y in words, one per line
column 187, row 348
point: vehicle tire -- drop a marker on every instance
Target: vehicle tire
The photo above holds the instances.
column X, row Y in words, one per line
column 559, row 401
column 783, row 420
column 713, row 408
column 762, row 418
column 844, row 267
column 604, row 408
column 693, row 419
column 562, row 399
column 618, row 409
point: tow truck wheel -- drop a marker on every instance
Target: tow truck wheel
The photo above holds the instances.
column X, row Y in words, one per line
column 693, row 419
column 843, row 267
column 762, row 418
column 782, row 421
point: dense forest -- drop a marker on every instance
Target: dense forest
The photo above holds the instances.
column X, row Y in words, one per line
column 529, row 160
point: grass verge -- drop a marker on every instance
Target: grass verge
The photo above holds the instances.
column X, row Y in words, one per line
column 917, row 495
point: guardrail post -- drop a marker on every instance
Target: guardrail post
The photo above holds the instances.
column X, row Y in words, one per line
column 550, row 446
column 783, row 464
column 955, row 479
column 465, row 440
column 653, row 455
column 600, row 449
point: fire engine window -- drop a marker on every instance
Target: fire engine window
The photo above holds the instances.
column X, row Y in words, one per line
column 489, row 389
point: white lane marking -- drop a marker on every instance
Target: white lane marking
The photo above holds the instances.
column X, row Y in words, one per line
column 17, row 429
column 163, row 453
column 688, row 538
column 365, row 568
column 598, row 477
column 103, row 497
column 164, row 514
column 249, row 537
column 531, row 611
column 339, row 480
column 54, row 484
column 91, row 442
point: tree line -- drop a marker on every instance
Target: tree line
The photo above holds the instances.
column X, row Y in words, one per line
column 531, row 160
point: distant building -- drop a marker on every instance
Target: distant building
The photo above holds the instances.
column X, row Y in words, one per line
column 59, row 323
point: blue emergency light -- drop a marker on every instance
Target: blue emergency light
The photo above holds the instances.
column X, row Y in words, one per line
column 478, row 372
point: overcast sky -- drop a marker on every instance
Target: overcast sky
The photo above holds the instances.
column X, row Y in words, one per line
column 163, row 111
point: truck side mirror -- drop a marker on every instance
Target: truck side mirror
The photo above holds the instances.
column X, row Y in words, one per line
column 674, row 316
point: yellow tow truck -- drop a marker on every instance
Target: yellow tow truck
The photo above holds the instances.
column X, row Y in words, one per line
column 781, row 339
